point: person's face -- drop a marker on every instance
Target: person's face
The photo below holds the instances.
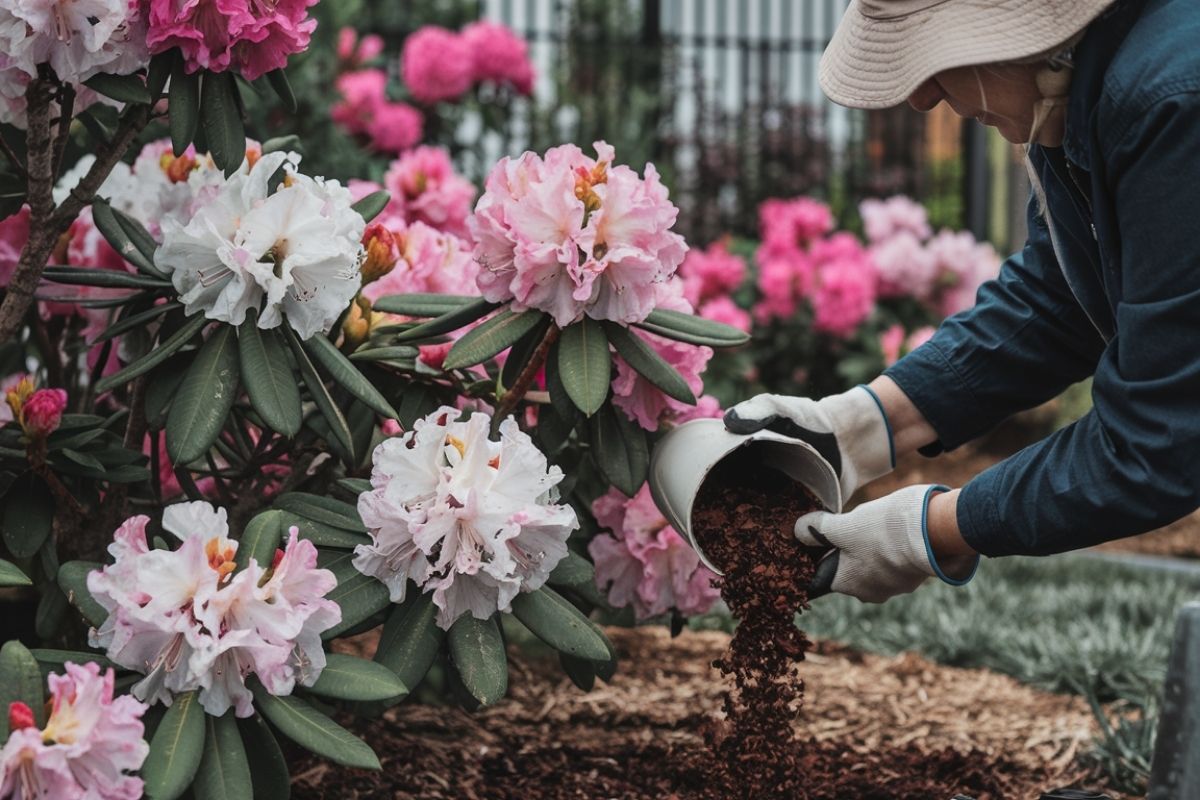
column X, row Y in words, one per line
column 1003, row 96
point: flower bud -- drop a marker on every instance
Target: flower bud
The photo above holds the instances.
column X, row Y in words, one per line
column 383, row 252
column 357, row 327
column 42, row 412
column 20, row 716
column 17, row 396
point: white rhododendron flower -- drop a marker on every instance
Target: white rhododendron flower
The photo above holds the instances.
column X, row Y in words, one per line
column 294, row 251
column 471, row 520
column 187, row 619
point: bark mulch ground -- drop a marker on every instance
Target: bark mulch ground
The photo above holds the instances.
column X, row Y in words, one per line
column 873, row 728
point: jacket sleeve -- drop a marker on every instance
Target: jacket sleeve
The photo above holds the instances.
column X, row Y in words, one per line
column 1025, row 340
column 1133, row 463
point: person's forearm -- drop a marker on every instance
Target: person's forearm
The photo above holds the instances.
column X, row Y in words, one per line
column 910, row 429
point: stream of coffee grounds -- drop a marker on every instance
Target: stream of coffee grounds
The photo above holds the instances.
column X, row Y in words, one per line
column 743, row 518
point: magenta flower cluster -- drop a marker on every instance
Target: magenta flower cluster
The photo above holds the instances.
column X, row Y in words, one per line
column 438, row 64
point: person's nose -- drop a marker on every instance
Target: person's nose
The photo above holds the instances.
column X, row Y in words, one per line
column 926, row 96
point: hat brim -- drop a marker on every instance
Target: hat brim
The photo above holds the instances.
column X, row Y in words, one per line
column 877, row 63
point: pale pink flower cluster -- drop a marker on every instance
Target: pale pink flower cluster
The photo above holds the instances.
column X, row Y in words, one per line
column 795, row 223
column 883, row 219
column 425, row 188
column 252, row 37
column 572, row 235
column 469, row 520
column 428, row 261
column 843, row 294
column 963, row 265
column 14, row 233
column 644, row 562
column 91, row 743
column 709, row 276
column 365, row 110
column 894, row 342
column 439, row 64
column 188, row 620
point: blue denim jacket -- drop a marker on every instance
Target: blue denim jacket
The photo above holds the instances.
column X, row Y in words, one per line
column 1108, row 284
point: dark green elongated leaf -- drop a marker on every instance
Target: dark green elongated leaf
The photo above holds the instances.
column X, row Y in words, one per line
column 155, row 357
column 355, row 486
column 523, row 351
column 384, row 353
column 322, row 509
column 51, row 612
column 322, row 535
column 204, row 398
column 551, row 618
column 584, row 364
column 28, row 515
column 107, row 278
column 96, row 128
column 422, row 305
column 127, row 237
column 316, row 388
column 221, row 115
column 183, row 106
column 491, row 337
column 11, row 575
column 346, row 375
column 20, row 682
column 649, row 364
column 161, row 388
column 692, row 329
column 620, row 449
column 581, row 672
column 279, row 82
column 83, row 459
column 158, row 73
column 138, row 320
column 450, row 321
column 72, row 579
column 573, row 570
column 411, row 638
column 372, row 205
column 57, row 658
column 349, row 678
column 477, row 649
column 224, row 772
column 262, row 537
column 564, row 406
column 268, row 378
column 284, row 144
column 268, row 768
column 359, row 597
column 606, row 669
column 123, row 88
column 314, row 731
column 175, row 750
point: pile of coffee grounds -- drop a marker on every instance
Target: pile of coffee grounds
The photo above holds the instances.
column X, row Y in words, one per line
column 743, row 519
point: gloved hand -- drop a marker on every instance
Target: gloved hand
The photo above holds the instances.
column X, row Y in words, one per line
column 884, row 546
column 849, row 430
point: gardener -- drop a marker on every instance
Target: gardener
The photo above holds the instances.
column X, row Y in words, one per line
column 1106, row 96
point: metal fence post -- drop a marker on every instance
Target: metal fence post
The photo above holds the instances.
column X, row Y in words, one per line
column 975, row 179
column 1175, row 770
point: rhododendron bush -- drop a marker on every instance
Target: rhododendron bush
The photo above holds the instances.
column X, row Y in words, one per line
column 250, row 409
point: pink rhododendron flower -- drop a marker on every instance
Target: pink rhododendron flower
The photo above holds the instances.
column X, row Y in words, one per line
column 707, row 407
column 963, row 265
column 919, row 337
column 428, row 261
column 890, row 343
column 470, row 520
column 784, row 278
column 14, row 233
column 248, row 36
column 793, row 223
column 89, row 745
column 365, row 110
column 499, row 55
column 571, row 235
column 43, row 412
column 395, row 127
column 188, row 619
column 641, row 400
column 437, row 64
column 904, row 266
column 883, row 219
column 727, row 312
column 354, row 52
column 844, row 296
column 425, row 188
column 644, row 562
column 710, row 273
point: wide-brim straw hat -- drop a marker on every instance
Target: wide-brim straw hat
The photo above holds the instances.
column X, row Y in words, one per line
column 884, row 49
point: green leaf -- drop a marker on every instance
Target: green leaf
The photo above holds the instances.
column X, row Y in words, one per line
column 175, row 750
column 20, row 682
column 205, row 398
column 573, row 570
column 261, row 538
column 106, row 278
column 584, row 364
column 581, row 672
column 523, row 351
column 224, row 772
column 282, row 144
column 448, row 322
column 372, row 205
column 314, row 731
column 72, row 579
column 51, row 612
column 12, row 195
column 619, row 447
column 183, row 106
column 161, row 388
column 279, row 82
column 268, row 768
column 384, row 353
column 316, row 388
column 359, row 597
column 123, row 88
column 155, row 356
column 323, row 535
column 221, row 114
column 322, row 509
column 411, row 638
column 421, row 305
column 267, row 376
column 138, row 320
column 477, row 649
column 551, row 618
column 692, row 329
column 355, row 486
column 349, row 678
column 56, row 658
column 649, row 364
column 346, row 375
column 11, row 575
column 127, row 236
column 497, row 334
column 158, row 73
column 28, row 516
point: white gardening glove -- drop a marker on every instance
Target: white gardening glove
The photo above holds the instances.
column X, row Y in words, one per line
column 883, row 546
column 849, row 430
